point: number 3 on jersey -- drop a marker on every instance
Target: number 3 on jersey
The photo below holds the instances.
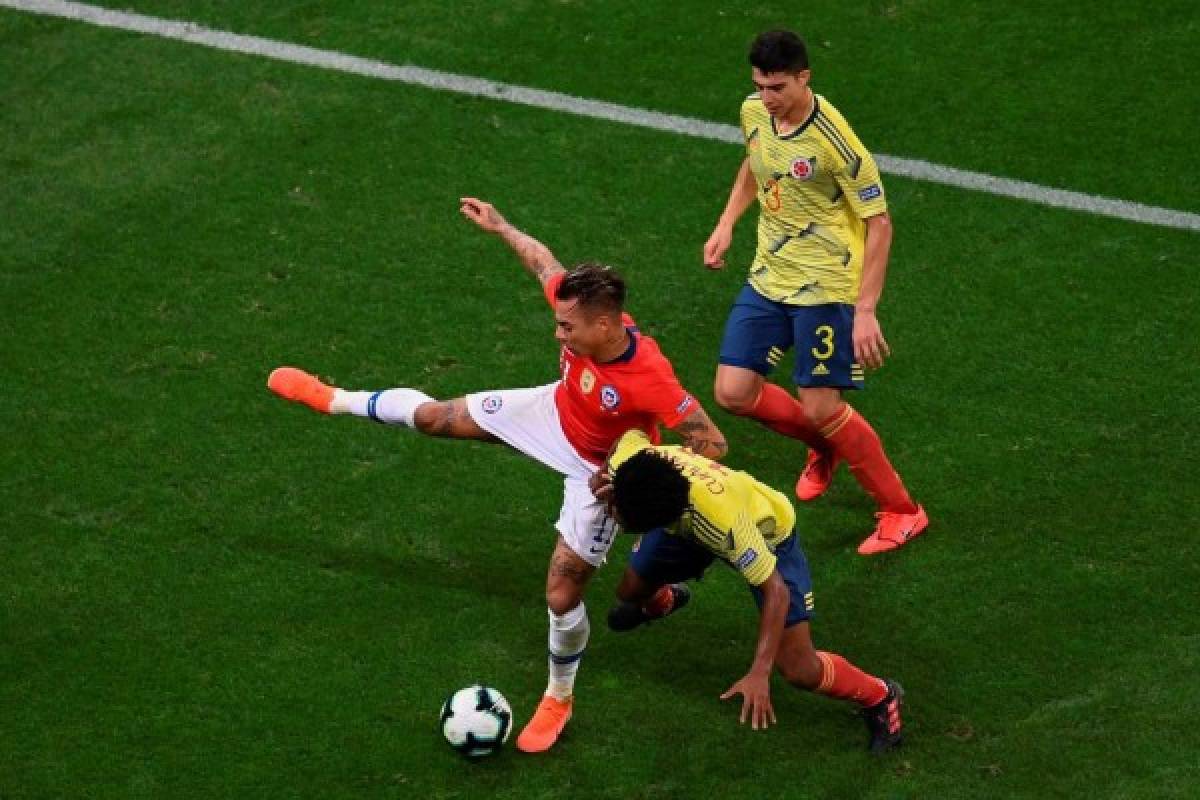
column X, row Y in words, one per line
column 825, row 334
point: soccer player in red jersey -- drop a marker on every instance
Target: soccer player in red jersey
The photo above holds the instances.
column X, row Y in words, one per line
column 613, row 379
column 824, row 235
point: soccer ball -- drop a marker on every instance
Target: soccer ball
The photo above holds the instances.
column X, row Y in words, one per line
column 476, row 721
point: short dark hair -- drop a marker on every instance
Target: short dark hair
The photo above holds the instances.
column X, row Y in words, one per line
column 649, row 492
column 778, row 51
column 597, row 287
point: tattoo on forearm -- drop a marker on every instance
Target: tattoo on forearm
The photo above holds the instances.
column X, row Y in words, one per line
column 698, row 433
column 536, row 257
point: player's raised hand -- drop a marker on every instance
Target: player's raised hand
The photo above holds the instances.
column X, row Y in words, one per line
column 716, row 246
column 482, row 214
column 755, row 689
column 870, row 348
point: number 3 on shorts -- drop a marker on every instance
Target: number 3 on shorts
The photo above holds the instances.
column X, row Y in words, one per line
column 825, row 334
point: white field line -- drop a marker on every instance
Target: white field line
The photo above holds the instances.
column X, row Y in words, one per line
column 555, row 101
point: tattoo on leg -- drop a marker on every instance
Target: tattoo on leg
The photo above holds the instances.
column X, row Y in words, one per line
column 563, row 567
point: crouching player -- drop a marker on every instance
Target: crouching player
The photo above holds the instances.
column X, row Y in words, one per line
column 693, row 510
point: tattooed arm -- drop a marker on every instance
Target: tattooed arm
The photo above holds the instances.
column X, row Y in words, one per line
column 537, row 258
column 701, row 436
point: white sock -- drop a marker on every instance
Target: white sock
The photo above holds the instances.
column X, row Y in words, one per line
column 390, row 406
column 568, row 639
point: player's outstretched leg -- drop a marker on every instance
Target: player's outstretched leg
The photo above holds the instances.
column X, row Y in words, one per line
column 392, row 406
column 410, row 408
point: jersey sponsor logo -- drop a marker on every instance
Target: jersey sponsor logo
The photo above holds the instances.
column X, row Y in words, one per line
column 492, row 403
column 609, row 398
column 685, row 405
column 820, row 369
column 803, row 168
column 870, row 193
column 747, row 558
column 587, row 381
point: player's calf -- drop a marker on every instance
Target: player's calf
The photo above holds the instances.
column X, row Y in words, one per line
column 625, row 615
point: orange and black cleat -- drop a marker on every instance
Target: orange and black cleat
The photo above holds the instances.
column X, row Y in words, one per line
column 883, row 720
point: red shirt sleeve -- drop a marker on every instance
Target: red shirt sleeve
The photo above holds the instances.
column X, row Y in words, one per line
column 664, row 396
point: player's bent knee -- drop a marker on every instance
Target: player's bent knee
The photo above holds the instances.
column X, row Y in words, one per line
column 734, row 401
column 562, row 601
column 820, row 406
column 430, row 418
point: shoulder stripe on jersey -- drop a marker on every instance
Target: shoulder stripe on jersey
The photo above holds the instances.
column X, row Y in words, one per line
column 707, row 531
column 853, row 161
column 831, row 132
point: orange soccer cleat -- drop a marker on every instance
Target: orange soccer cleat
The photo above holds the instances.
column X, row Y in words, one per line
column 548, row 722
column 894, row 530
column 816, row 476
column 300, row 387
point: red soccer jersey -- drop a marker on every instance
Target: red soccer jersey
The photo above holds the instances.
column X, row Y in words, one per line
column 597, row 402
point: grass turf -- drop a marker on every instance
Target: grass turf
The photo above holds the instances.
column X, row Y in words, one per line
column 210, row 593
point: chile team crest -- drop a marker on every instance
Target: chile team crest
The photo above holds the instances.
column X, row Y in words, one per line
column 609, row 399
column 803, row 168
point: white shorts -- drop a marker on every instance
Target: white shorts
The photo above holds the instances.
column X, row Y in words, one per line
column 527, row 420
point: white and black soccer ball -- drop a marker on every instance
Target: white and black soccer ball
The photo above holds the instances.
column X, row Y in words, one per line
column 476, row 721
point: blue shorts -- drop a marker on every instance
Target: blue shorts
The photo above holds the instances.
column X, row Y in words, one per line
column 759, row 331
column 661, row 558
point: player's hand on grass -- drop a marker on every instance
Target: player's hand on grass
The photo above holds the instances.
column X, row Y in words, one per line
column 601, row 485
column 755, row 689
column 870, row 348
column 716, row 246
column 482, row 214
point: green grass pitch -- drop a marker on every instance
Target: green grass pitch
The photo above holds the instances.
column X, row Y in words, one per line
column 209, row 593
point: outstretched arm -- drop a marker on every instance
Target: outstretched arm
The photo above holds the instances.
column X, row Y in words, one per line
column 702, row 436
column 537, row 258
column 755, row 685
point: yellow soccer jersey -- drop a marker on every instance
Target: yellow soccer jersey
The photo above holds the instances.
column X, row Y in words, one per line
column 816, row 185
column 729, row 513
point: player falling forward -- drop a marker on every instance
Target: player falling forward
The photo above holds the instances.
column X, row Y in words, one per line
column 824, row 234
column 614, row 378
column 696, row 511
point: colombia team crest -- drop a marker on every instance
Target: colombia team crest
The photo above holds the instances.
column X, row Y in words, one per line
column 803, row 168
